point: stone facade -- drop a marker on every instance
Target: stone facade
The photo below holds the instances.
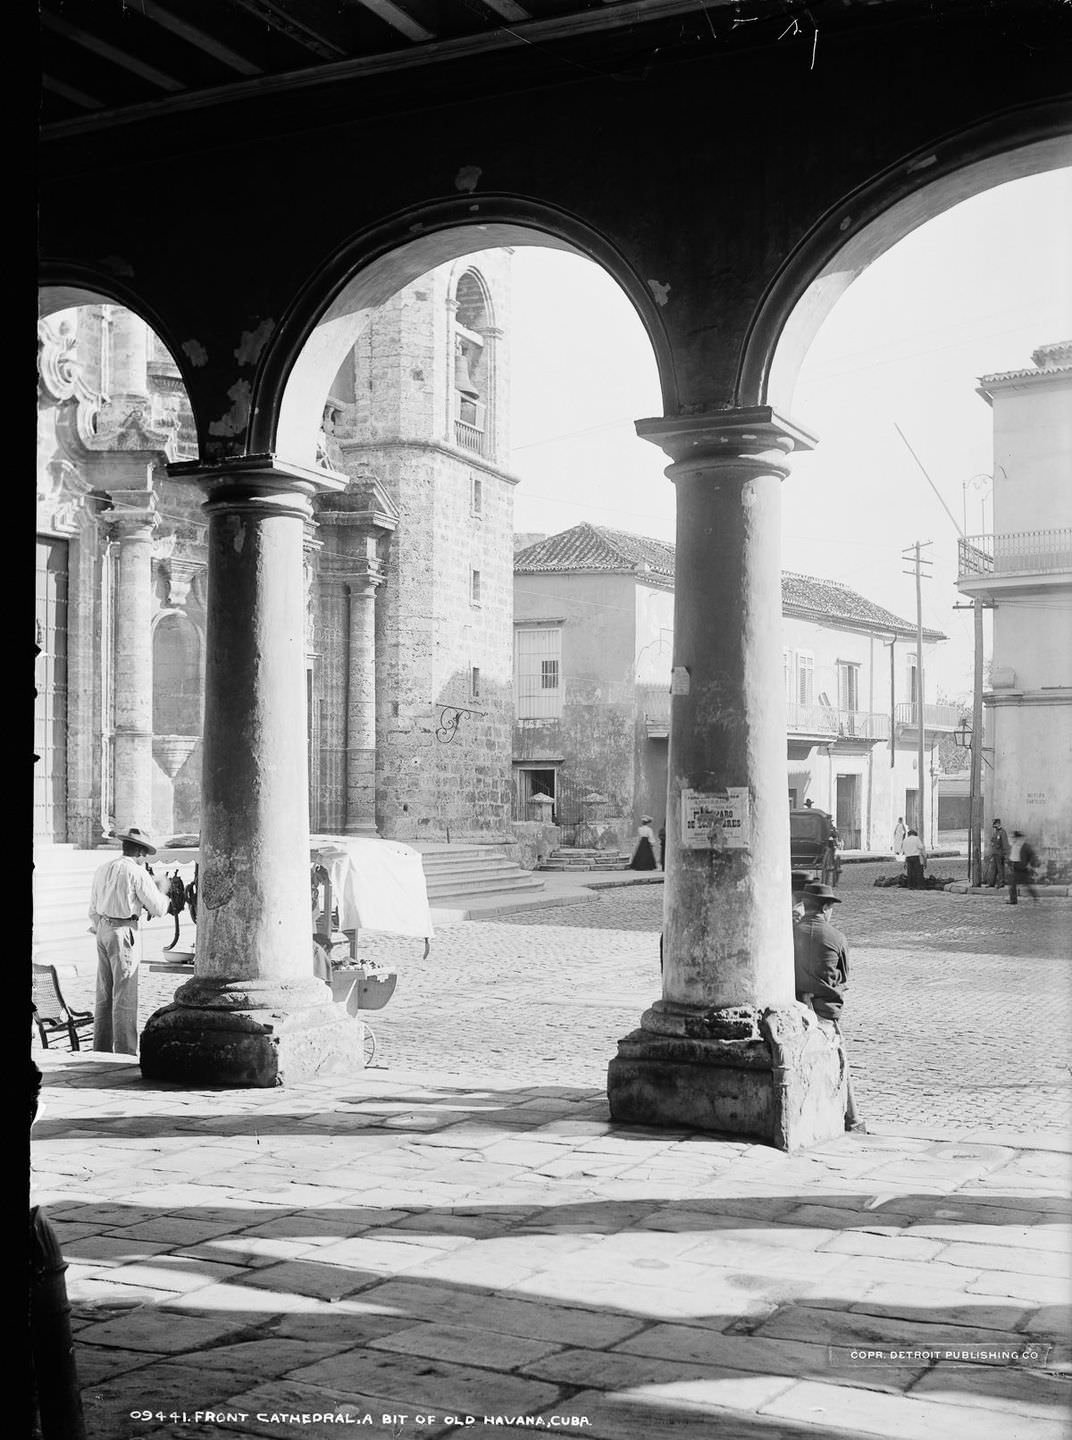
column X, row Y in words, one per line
column 408, row 633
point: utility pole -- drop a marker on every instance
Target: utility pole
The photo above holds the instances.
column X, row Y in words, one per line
column 978, row 757
column 975, row 840
column 914, row 555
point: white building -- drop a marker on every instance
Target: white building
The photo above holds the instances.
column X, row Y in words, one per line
column 1024, row 570
column 593, row 615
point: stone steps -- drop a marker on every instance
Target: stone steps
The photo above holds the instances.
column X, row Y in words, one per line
column 567, row 858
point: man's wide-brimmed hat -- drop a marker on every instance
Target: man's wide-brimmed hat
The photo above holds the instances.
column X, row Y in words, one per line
column 137, row 837
column 821, row 892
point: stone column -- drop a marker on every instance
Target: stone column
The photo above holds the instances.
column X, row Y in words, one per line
column 362, row 585
column 128, row 383
column 727, row 1048
column 253, row 1014
column 359, row 525
column 133, row 701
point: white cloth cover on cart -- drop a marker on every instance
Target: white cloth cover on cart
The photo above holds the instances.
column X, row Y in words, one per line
column 377, row 885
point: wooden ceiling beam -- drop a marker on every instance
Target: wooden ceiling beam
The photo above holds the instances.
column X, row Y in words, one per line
column 508, row 10
column 68, row 92
column 112, row 53
column 398, row 19
column 279, row 17
column 150, row 10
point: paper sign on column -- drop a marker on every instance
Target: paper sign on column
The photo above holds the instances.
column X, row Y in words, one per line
column 716, row 821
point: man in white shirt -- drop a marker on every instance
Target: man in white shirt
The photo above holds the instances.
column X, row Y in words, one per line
column 122, row 889
column 915, row 857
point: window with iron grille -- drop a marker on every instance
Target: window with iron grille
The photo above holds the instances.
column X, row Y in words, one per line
column 537, row 672
column 474, row 682
column 476, row 507
column 474, row 587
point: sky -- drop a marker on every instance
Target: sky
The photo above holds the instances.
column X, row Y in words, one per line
column 971, row 292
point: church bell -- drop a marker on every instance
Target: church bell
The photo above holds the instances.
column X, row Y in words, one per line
column 462, row 379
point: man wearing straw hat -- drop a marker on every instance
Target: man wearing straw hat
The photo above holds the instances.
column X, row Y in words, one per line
column 122, row 889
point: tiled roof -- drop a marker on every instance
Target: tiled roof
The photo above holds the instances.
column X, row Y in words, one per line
column 588, row 547
column 1050, row 360
column 829, row 600
column 594, row 547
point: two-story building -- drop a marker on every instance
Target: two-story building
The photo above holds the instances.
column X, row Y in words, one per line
column 1024, row 572
column 593, row 621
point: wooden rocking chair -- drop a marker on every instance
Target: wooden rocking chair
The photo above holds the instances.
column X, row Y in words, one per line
column 51, row 1013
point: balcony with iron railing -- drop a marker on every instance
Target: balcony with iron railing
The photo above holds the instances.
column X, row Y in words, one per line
column 935, row 717
column 653, row 702
column 1008, row 557
column 824, row 722
column 829, row 722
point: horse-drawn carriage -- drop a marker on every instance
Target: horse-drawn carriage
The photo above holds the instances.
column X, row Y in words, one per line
column 814, row 845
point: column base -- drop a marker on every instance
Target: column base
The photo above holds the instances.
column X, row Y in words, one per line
column 252, row 1035
column 776, row 1075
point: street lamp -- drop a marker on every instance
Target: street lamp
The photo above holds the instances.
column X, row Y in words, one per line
column 981, row 482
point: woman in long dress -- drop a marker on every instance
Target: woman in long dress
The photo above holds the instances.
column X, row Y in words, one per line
column 644, row 854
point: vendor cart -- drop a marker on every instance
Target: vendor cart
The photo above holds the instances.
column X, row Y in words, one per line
column 364, row 884
column 355, row 884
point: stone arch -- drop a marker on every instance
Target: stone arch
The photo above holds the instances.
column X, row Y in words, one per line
column 306, row 350
column 472, row 295
column 62, row 287
column 870, row 221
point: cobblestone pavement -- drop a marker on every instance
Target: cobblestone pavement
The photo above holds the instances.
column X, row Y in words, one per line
column 958, row 1015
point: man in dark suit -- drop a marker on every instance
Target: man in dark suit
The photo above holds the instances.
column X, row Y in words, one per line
column 821, row 960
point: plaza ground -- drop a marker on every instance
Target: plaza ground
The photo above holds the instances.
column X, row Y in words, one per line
column 460, row 1230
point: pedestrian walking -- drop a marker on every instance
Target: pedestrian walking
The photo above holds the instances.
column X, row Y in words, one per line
column 821, row 966
column 662, row 846
column 997, row 854
column 1021, row 867
column 831, row 867
column 644, row 852
column 122, row 888
column 899, row 833
column 915, row 856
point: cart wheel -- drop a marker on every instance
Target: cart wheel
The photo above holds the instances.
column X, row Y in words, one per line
column 370, row 1045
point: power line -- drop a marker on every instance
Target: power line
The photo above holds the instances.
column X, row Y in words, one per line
column 929, row 481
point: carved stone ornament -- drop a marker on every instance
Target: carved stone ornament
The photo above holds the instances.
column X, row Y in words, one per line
column 61, row 495
column 61, row 389
column 132, row 431
column 58, row 371
column 163, row 547
column 181, row 574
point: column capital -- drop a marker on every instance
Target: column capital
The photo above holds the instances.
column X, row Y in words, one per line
column 727, row 436
column 132, row 518
column 364, row 579
column 363, row 514
column 262, row 483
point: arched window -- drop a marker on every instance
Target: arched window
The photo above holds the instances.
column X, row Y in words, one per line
column 176, row 677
